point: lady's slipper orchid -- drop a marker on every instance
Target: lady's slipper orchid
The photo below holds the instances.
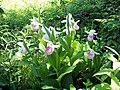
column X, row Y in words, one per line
column 22, row 49
column 76, row 27
column 91, row 34
column 72, row 24
column 91, row 54
column 50, row 48
column 90, row 37
column 35, row 24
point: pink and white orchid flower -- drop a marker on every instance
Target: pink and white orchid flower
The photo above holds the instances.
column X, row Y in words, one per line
column 76, row 27
column 91, row 34
column 72, row 24
column 50, row 48
column 35, row 24
column 91, row 54
column 22, row 49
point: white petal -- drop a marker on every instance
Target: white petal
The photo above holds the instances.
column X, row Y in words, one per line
column 87, row 32
column 43, row 29
column 70, row 16
column 46, row 38
column 63, row 21
column 56, row 46
column 96, row 53
column 91, row 50
column 20, row 43
column 77, row 21
column 95, row 33
column 92, row 32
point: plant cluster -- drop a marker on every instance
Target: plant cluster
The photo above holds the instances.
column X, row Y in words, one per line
column 75, row 54
column 49, row 59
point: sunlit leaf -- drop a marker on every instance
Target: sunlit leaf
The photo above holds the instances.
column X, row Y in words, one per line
column 77, row 56
column 112, row 58
column 102, row 86
column 72, row 87
column 112, row 50
column 41, row 47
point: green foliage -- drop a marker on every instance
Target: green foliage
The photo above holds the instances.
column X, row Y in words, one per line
column 68, row 66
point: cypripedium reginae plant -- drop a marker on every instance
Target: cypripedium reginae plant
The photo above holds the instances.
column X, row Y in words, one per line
column 65, row 60
column 21, row 51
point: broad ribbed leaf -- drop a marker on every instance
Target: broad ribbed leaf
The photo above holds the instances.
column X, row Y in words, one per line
column 64, row 44
column 77, row 56
column 51, row 82
column 109, row 73
column 64, row 71
column 54, row 60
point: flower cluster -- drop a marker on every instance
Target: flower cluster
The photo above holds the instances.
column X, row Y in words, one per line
column 50, row 31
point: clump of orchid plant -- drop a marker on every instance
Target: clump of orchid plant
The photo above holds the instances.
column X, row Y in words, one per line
column 67, row 56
